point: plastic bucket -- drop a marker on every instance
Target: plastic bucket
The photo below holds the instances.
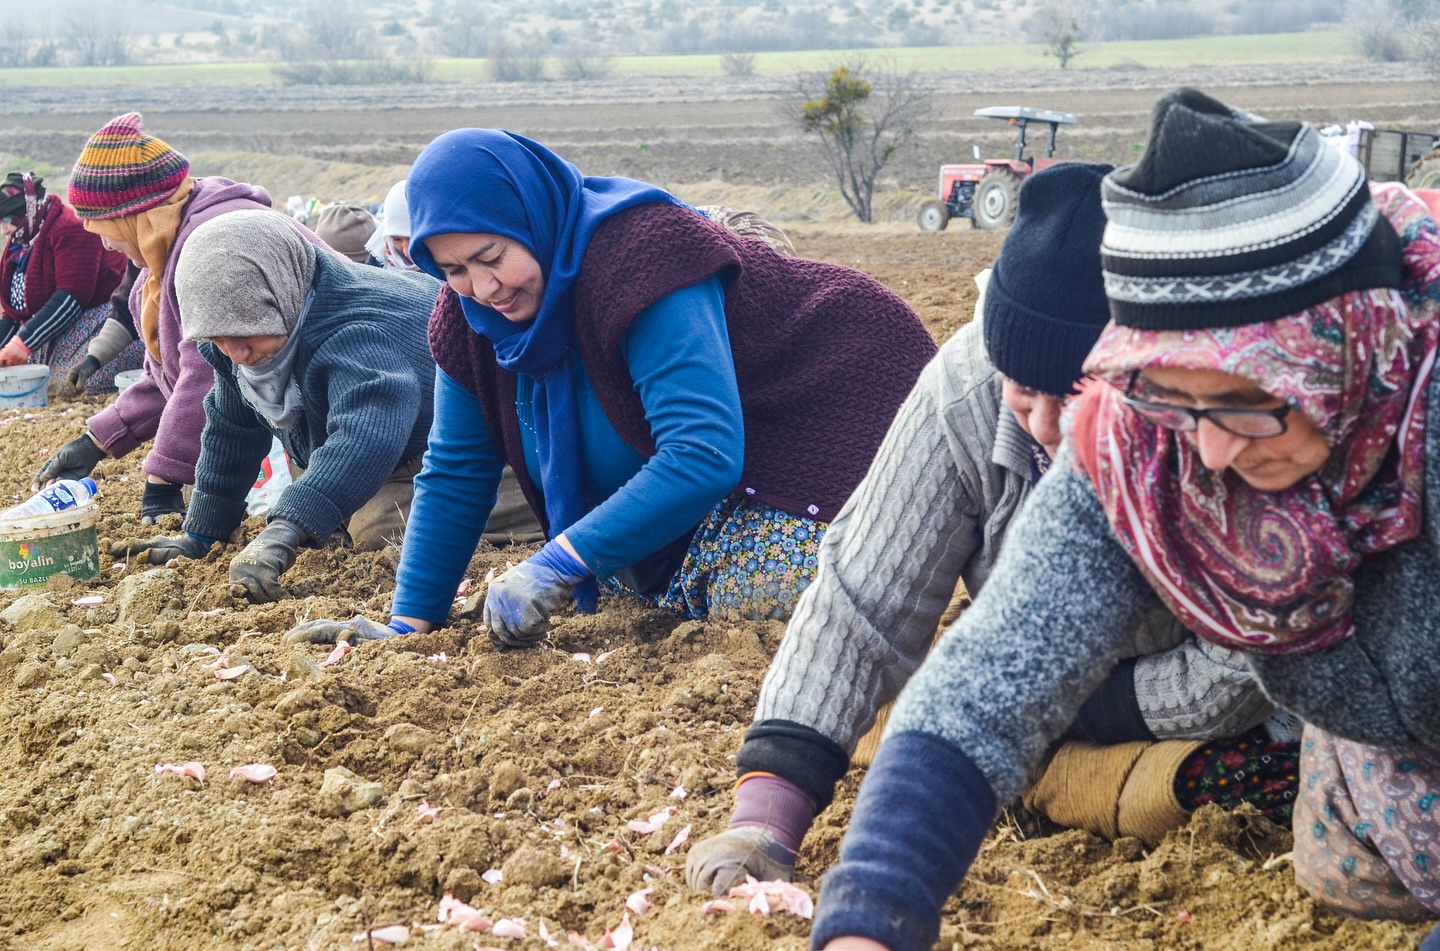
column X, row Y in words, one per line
column 38, row 546
column 127, row 378
column 24, row 385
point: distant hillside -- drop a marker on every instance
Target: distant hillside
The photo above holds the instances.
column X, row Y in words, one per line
column 147, row 31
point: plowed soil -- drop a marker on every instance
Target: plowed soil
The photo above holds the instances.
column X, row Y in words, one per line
column 536, row 760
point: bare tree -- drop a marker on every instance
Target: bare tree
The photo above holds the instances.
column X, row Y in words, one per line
column 329, row 31
column 862, row 115
column 515, row 64
column 19, row 48
column 333, row 47
column 1377, row 30
column 1427, row 44
column 465, row 31
column 579, row 63
column 99, row 36
column 1060, row 25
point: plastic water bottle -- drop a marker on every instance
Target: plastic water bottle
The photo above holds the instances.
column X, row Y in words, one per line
column 65, row 494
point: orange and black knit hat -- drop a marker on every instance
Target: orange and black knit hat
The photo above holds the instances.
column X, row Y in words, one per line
column 122, row 171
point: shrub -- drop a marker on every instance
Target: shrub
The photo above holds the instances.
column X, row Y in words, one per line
column 738, row 65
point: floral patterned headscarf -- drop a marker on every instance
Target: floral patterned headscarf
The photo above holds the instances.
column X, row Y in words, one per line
column 1262, row 571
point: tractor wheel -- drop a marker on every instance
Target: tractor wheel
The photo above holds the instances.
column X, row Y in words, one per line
column 1425, row 173
column 996, row 198
column 934, row 216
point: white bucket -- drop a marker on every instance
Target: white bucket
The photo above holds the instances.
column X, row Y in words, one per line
column 34, row 547
column 126, row 378
column 24, row 385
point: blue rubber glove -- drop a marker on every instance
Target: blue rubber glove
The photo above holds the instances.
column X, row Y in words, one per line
column 519, row 603
column 355, row 631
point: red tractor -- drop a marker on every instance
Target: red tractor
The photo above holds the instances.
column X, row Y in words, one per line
column 986, row 191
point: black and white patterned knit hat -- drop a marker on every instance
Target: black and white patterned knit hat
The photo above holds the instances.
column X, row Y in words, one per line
column 1228, row 219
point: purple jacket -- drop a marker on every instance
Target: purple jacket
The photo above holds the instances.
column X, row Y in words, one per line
column 168, row 402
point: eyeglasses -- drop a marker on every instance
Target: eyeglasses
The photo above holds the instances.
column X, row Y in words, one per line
column 1250, row 423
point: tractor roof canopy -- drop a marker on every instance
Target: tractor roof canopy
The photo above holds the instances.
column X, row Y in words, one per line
column 1026, row 112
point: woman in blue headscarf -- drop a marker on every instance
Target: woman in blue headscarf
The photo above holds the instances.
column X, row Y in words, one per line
column 686, row 409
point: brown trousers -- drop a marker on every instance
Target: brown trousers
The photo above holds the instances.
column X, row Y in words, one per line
column 381, row 521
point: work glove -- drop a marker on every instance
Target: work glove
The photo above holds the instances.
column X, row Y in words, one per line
column 14, row 353
column 355, row 631
column 721, row 862
column 74, row 383
column 162, row 548
column 518, row 604
column 74, row 460
column 160, row 498
column 257, row 569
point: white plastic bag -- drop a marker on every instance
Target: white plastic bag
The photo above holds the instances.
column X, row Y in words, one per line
column 273, row 478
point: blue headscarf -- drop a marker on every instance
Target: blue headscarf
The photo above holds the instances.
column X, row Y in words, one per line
column 488, row 181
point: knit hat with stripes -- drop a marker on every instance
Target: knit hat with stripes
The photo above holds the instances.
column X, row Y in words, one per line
column 1228, row 219
column 123, row 171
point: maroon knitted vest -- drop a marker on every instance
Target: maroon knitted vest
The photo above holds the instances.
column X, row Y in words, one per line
column 63, row 257
column 823, row 354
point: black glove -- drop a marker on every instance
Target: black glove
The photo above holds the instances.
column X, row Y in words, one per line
column 258, row 568
column 164, row 547
column 79, row 373
column 74, row 460
column 355, row 631
column 160, row 498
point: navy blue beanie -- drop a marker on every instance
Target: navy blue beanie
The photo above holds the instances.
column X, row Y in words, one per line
column 1045, row 304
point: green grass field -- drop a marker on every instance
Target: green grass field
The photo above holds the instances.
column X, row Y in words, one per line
column 1316, row 47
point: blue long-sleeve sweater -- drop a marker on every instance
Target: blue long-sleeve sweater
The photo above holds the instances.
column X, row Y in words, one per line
column 635, row 506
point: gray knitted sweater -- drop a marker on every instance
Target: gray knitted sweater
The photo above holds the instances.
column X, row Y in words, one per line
column 1007, row 678
column 366, row 382
column 936, row 506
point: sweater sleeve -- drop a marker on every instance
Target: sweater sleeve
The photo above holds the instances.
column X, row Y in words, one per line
column 232, row 445
column 1198, row 691
column 454, row 493
column 373, row 402
column 51, row 320
column 181, row 419
column 887, row 567
column 134, row 416
column 897, row 868
column 686, row 383
column 1055, row 616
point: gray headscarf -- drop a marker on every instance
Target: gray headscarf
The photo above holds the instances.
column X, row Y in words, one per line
column 248, row 274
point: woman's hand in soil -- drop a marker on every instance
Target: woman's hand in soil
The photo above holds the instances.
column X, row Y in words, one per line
column 518, row 604
column 721, row 862
column 160, row 498
column 162, row 548
column 355, row 631
column 14, row 353
column 74, row 460
column 74, row 383
column 257, row 569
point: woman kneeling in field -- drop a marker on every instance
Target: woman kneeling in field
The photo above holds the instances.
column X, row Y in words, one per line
column 1261, row 457
column 685, row 408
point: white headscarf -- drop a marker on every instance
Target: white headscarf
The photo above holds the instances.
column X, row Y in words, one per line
column 395, row 222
